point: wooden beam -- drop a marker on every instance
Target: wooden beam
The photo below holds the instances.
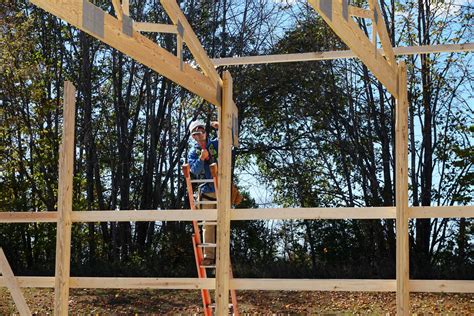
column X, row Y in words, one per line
column 65, row 186
column 313, row 213
column 381, row 30
column 352, row 285
column 434, row 286
column 314, row 285
column 117, row 9
column 385, row 212
column 459, row 211
column 144, row 216
column 126, row 7
column 155, row 27
column 31, row 281
column 118, row 283
column 223, row 197
column 28, row 217
column 191, row 40
column 360, row 13
column 357, row 41
column 12, row 284
column 401, row 194
column 317, row 56
column 137, row 47
column 143, row 283
column 442, row 286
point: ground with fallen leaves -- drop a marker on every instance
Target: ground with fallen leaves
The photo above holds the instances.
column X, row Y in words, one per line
column 253, row 302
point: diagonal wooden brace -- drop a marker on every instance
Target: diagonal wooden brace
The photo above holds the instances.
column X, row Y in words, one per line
column 13, row 286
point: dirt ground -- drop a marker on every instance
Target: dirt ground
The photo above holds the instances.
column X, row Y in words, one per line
column 250, row 302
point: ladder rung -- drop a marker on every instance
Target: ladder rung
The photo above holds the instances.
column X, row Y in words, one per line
column 206, row 202
column 202, row 181
column 214, row 305
column 212, row 266
column 207, row 223
column 207, row 245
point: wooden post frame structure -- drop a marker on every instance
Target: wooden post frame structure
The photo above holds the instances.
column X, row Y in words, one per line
column 401, row 199
column 65, row 185
column 223, row 197
column 122, row 33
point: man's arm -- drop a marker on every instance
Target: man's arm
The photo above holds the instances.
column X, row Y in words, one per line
column 195, row 163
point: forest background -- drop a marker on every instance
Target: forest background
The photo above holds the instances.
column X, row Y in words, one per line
column 312, row 134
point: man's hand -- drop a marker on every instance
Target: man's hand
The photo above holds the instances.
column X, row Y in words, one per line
column 215, row 124
column 204, row 155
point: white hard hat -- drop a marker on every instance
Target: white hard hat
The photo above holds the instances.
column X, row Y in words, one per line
column 195, row 124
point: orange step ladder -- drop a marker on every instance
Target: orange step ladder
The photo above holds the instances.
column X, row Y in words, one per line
column 198, row 245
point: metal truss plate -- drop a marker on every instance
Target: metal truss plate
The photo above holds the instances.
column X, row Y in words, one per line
column 345, row 9
column 326, row 7
column 93, row 19
column 127, row 25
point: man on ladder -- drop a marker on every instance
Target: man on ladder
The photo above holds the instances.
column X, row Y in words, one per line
column 203, row 154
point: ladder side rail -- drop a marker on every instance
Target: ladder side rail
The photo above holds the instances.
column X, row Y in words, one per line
column 206, row 297
column 187, row 175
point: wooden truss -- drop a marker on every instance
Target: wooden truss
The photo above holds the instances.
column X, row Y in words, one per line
column 338, row 15
column 122, row 33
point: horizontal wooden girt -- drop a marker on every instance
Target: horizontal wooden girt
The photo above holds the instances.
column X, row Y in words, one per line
column 121, row 36
column 380, row 285
column 338, row 54
column 383, row 212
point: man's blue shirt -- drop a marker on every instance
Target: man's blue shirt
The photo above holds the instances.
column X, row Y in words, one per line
column 199, row 168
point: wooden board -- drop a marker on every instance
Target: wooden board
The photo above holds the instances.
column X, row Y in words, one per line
column 435, row 286
column 12, row 284
column 144, row 216
column 350, row 33
column 314, row 213
column 458, row 211
column 65, row 187
column 381, row 30
column 385, row 212
column 341, row 54
column 401, row 194
column 223, row 197
column 118, row 9
column 191, row 40
column 155, row 27
column 139, row 48
column 28, row 217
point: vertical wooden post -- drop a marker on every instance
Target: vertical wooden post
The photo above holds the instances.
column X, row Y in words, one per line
column 223, row 197
column 401, row 165
column 13, row 286
column 63, row 238
column 126, row 7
